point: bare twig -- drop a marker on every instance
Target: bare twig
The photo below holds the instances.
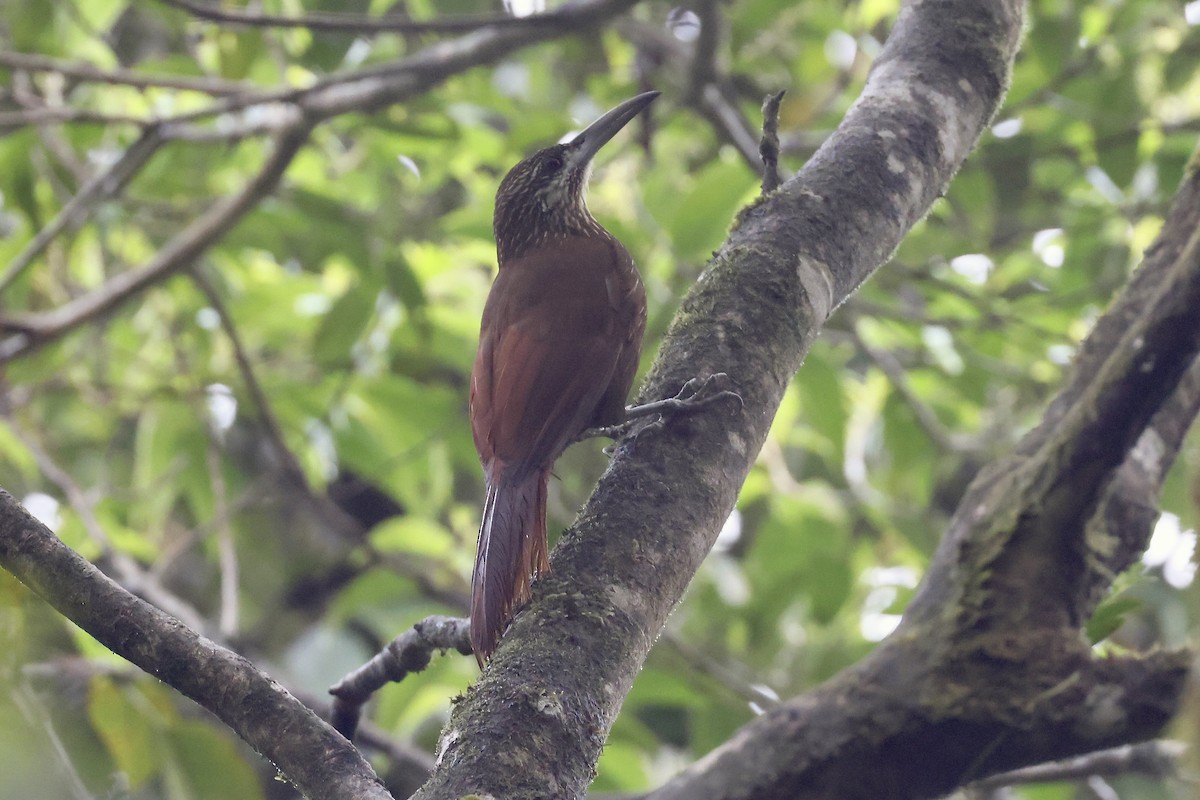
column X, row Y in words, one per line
column 768, row 148
column 119, row 76
column 272, row 428
column 727, row 676
column 45, row 115
column 227, row 621
column 715, row 101
column 36, row 715
column 409, row 652
column 1158, row 759
column 178, row 253
column 704, row 57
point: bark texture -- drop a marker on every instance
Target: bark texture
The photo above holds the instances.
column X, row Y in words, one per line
column 533, row 726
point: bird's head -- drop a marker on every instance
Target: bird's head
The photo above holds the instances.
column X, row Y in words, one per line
column 544, row 195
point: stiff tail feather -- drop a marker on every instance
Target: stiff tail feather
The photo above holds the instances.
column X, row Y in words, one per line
column 511, row 551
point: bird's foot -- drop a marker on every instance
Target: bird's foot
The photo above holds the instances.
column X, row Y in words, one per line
column 642, row 419
column 694, row 395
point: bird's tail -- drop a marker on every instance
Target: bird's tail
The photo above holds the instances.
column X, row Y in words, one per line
column 512, row 550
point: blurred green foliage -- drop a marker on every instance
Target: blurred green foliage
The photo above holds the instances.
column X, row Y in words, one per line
column 356, row 291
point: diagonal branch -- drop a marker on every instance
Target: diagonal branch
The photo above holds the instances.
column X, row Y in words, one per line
column 319, row 761
column 100, row 188
column 1027, row 514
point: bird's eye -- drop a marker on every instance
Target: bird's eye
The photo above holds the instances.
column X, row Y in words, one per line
column 553, row 163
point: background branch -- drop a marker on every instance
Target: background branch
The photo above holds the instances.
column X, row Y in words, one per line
column 363, row 91
column 118, row 76
column 352, row 23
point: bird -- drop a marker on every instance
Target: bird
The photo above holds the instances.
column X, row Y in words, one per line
column 559, row 345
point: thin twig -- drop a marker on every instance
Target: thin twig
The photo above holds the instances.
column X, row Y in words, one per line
column 100, row 188
column 31, row 707
column 1159, row 759
column 326, row 510
column 227, row 620
column 727, row 676
column 266, row 414
column 704, row 57
column 119, row 76
column 945, row 440
column 717, row 102
column 409, row 652
column 46, row 115
column 354, row 23
column 768, row 147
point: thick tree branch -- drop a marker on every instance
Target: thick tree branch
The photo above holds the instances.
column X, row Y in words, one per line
column 554, row 686
column 989, row 671
column 409, row 652
column 319, row 761
column 1024, row 517
column 899, row 725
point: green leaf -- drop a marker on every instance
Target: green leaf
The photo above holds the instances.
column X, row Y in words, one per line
column 400, row 278
column 1109, row 615
column 699, row 220
column 413, row 535
column 1118, row 155
column 343, row 325
column 1054, row 40
column 15, row 454
column 127, row 734
column 210, row 765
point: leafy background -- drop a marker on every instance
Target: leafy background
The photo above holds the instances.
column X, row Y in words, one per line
column 355, row 293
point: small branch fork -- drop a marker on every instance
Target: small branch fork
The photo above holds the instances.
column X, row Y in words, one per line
column 409, row 652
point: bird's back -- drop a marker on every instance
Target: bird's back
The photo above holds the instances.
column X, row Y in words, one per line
column 562, row 325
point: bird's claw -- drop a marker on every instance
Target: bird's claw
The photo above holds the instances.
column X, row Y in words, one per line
column 693, row 395
column 641, row 419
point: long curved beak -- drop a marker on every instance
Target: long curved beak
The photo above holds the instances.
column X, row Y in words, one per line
column 589, row 141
